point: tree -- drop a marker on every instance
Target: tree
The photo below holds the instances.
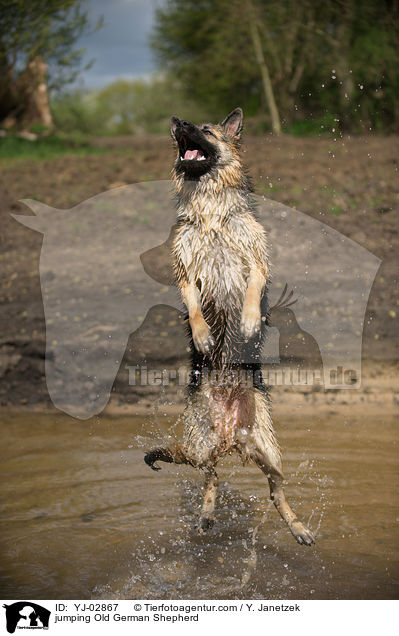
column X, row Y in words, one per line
column 362, row 40
column 207, row 45
column 37, row 52
column 260, row 58
column 330, row 59
column 141, row 106
column 255, row 50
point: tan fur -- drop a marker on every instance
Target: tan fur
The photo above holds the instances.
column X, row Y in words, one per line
column 220, row 260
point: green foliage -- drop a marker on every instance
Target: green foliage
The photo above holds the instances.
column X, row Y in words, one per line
column 48, row 29
column 313, row 127
column 80, row 112
column 206, row 45
column 145, row 106
column 124, row 107
column 322, row 57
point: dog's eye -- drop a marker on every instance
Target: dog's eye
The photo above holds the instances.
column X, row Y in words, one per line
column 207, row 132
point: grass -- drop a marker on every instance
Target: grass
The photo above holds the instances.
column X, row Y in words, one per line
column 335, row 210
column 12, row 147
column 266, row 188
column 297, row 189
column 321, row 126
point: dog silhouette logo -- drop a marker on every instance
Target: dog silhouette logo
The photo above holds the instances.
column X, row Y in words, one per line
column 26, row 615
column 105, row 266
column 296, row 346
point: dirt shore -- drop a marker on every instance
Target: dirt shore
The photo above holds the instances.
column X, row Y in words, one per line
column 350, row 184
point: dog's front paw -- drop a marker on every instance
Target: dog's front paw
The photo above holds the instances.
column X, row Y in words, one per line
column 250, row 322
column 202, row 337
column 302, row 533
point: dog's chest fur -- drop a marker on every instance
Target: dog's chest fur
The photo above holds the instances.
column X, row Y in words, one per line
column 215, row 253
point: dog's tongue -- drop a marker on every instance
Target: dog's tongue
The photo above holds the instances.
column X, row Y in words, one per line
column 192, row 154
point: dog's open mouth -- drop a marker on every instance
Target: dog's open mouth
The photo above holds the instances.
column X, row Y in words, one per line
column 190, row 151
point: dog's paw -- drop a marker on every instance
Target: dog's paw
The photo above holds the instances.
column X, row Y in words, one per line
column 149, row 460
column 205, row 523
column 202, row 337
column 250, row 322
column 302, row 533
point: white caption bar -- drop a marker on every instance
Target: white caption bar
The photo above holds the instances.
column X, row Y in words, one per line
column 174, row 617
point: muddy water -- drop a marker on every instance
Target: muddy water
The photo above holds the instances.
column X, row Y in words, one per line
column 83, row 517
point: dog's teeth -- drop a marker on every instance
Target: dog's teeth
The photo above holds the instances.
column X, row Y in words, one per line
column 196, row 159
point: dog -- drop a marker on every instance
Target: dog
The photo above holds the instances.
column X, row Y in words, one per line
column 220, row 261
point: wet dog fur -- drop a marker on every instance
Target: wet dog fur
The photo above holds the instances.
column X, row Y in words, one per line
column 221, row 268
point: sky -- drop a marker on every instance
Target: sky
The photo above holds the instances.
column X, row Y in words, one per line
column 121, row 48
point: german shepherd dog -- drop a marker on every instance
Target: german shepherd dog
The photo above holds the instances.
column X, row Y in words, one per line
column 221, row 267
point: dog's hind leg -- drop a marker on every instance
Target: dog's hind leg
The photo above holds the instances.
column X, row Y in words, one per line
column 207, row 518
column 275, row 477
column 266, row 454
column 168, row 455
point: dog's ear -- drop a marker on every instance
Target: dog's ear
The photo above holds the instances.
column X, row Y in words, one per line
column 174, row 122
column 233, row 123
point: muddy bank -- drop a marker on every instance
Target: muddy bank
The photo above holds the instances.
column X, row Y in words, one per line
column 350, row 184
